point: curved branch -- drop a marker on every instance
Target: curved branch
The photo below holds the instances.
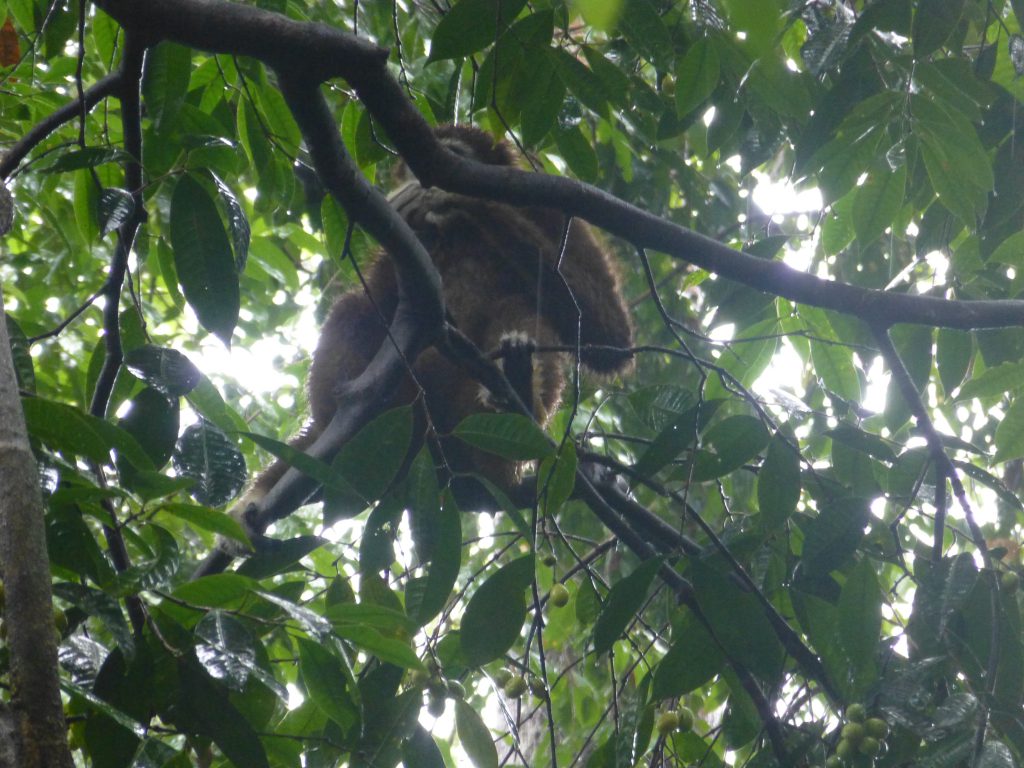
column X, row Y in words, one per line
column 418, row 320
column 41, row 130
column 130, row 83
column 315, row 52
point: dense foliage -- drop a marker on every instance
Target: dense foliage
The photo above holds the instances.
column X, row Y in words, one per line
column 816, row 517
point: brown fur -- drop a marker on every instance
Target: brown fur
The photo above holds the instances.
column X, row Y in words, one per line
column 498, row 269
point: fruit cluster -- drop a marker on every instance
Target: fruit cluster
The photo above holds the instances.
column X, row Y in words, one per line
column 674, row 720
column 862, row 736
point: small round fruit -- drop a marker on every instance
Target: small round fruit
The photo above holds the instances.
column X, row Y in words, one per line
column 501, row 677
column 537, row 687
column 869, row 746
column 845, row 749
column 437, row 688
column 559, row 596
column 853, row 732
column 549, row 560
column 456, row 689
column 516, row 687
column 876, row 727
column 667, row 722
column 435, row 706
column 685, row 719
column 1010, row 582
column 856, row 713
column 833, row 761
column 419, row 678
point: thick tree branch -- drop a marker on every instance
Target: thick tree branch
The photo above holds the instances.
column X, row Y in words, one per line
column 129, row 82
column 41, row 130
column 314, row 52
column 28, row 612
column 418, row 320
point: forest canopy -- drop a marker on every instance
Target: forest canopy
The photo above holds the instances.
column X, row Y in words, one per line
column 789, row 536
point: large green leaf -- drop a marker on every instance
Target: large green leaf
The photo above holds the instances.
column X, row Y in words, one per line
column 510, row 435
column 622, row 604
column 475, row 737
column 472, row 25
column 877, row 202
column 206, row 455
column 203, row 258
column 495, row 614
column 778, row 481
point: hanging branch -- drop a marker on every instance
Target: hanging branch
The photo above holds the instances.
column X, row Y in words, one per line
column 946, row 470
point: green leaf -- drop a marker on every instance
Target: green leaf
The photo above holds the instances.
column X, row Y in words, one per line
column 280, row 556
column 152, row 419
column 860, row 621
column 957, row 196
column 603, row 14
column 369, row 462
column 203, row 258
column 697, row 75
column 207, row 519
column 303, row 462
column 832, row 537
column 495, row 614
column 510, row 435
column 328, row 682
column 238, row 222
column 644, row 28
column 206, row 455
column 89, row 157
column 1010, row 432
column 581, row 82
column 166, row 370
column 24, row 370
column 86, row 204
column 934, row 22
column 588, row 603
column 556, row 478
column 778, row 482
column 475, row 737
column 735, row 440
column 877, row 201
column 166, row 80
column 993, row 382
column 102, row 606
column 995, row 754
column 693, row 658
column 624, row 600
column 540, row 111
column 421, row 750
column 203, row 707
column 472, row 25
column 578, row 152
column 832, row 361
column 865, row 442
column 388, row 649
column 227, row 649
column 678, row 435
column 737, row 619
column 441, row 526
column 115, row 208
column 954, row 351
column 76, row 433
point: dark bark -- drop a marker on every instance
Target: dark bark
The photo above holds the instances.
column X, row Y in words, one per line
column 38, row 714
